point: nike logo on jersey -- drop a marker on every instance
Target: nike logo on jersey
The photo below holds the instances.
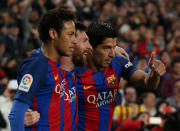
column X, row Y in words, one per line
column 56, row 77
column 86, row 87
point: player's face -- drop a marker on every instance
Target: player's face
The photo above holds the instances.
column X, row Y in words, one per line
column 103, row 53
column 82, row 48
column 66, row 41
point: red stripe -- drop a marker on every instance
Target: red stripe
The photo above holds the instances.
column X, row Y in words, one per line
column 54, row 114
column 127, row 113
column 91, row 111
column 77, row 115
column 139, row 109
column 34, row 109
column 121, row 113
column 76, row 100
column 67, row 106
column 113, row 84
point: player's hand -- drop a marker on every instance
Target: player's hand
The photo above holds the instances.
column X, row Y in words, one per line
column 156, row 65
column 31, row 117
column 121, row 51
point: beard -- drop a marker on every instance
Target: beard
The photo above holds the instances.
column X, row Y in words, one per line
column 77, row 60
column 80, row 58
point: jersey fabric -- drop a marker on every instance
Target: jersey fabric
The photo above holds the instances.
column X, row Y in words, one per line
column 49, row 90
column 96, row 92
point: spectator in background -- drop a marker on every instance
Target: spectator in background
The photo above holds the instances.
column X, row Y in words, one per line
column 6, row 101
column 175, row 99
column 4, row 16
column 14, row 47
column 166, row 59
column 3, row 81
column 142, row 64
column 174, row 45
column 148, row 102
column 172, row 122
column 4, row 56
column 160, row 37
column 3, row 30
column 130, row 108
column 138, row 123
column 13, row 42
column 167, row 86
column 146, row 46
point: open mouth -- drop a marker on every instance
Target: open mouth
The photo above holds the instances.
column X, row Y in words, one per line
column 108, row 61
column 87, row 52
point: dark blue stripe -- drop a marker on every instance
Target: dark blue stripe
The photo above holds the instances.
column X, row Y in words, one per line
column 99, row 79
column 62, row 106
column 81, row 104
column 73, row 103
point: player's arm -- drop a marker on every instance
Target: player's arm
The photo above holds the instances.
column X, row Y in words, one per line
column 30, row 78
column 16, row 115
column 151, row 79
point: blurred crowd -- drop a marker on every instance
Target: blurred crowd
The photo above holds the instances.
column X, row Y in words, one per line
column 143, row 26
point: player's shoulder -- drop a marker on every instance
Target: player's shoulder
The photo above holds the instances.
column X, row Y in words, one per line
column 119, row 58
column 36, row 58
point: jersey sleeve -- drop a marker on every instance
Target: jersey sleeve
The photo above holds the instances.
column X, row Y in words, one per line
column 31, row 77
column 16, row 116
column 126, row 67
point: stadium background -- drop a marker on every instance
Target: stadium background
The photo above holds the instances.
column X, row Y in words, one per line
column 143, row 26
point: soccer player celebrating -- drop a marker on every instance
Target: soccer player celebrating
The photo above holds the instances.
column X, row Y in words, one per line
column 97, row 82
column 43, row 86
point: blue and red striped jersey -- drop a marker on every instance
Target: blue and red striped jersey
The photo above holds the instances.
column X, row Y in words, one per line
column 49, row 90
column 96, row 92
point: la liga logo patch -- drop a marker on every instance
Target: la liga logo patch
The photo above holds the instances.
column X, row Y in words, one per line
column 26, row 82
column 27, row 79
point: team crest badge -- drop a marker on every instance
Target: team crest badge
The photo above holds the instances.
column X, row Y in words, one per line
column 111, row 80
column 26, row 82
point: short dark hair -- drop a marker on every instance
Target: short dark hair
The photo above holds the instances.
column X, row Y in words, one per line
column 141, row 58
column 55, row 19
column 127, row 87
column 98, row 32
column 80, row 26
column 146, row 93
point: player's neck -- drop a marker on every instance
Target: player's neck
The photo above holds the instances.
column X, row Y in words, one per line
column 66, row 63
column 49, row 52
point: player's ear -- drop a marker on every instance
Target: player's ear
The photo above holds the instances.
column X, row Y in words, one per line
column 52, row 33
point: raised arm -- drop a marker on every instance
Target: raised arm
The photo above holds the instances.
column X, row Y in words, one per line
column 151, row 79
